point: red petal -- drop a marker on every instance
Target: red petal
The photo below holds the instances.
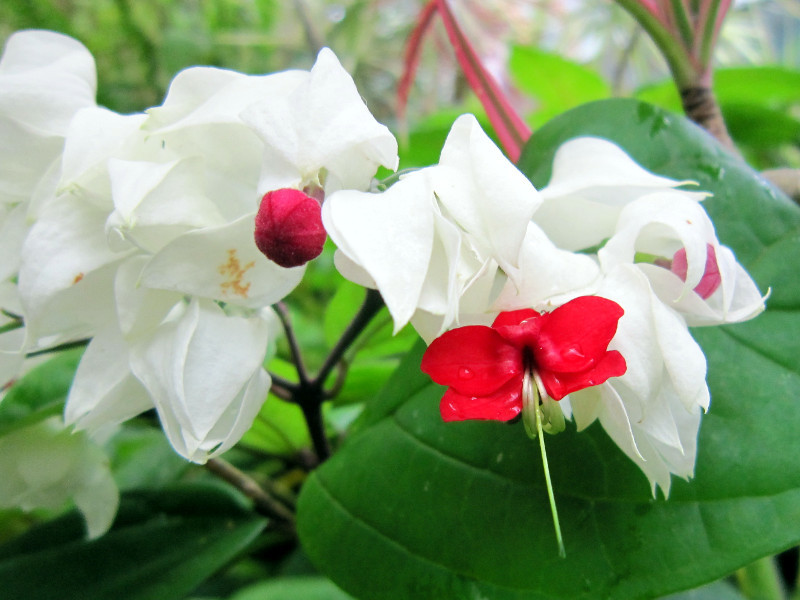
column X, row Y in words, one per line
column 576, row 335
column 558, row 385
column 503, row 405
column 520, row 327
column 289, row 227
column 711, row 277
column 473, row 360
column 514, row 317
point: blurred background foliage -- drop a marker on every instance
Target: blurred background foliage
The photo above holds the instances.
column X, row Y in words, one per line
column 549, row 54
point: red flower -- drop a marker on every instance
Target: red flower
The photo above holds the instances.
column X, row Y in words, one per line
column 485, row 366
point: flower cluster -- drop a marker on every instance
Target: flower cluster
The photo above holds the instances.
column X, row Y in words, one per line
column 468, row 250
column 137, row 231
column 163, row 238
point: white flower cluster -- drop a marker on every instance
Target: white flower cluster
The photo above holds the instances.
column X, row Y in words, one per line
column 459, row 242
column 136, row 231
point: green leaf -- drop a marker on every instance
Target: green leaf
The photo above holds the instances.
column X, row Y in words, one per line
column 292, row 588
column 162, row 545
column 557, row 83
column 719, row 590
column 459, row 510
column 40, row 393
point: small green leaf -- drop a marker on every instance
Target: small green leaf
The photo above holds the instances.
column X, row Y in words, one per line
column 40, row 393
column 162, row 545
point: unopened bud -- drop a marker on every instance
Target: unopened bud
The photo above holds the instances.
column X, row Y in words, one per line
column 289, row 227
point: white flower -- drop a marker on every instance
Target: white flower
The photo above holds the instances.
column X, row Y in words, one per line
column 665, row 226
column 44, row 465
column 599, row 197
column 147, row 244
column 321, row 133
column 592, row 181
column 441, row 243
column 45, row 78
column 653, row 411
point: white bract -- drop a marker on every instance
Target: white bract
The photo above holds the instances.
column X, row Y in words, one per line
column 45, row 79
column 599, row 196
column 146, row 243
column 43, row 466
column 653, row 411
column 441, row 243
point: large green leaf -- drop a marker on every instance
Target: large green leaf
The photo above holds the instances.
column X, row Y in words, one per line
column 415, row 508
column 161, row 546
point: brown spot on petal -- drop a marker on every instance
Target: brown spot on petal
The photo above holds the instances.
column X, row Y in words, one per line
column 77, row 279
column 234, row 272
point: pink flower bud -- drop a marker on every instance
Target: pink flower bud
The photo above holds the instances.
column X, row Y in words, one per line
column 711, row 277
column 289, row 227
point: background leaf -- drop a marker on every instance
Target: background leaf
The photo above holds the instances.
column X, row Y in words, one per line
column 162, row 545
column 434, row 510
column 40, row 393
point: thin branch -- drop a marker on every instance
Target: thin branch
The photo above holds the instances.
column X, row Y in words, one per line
column 372, row 304
column 264, row 502
column 283, row 314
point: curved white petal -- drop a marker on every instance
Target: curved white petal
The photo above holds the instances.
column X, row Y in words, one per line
column 388, row 235
column 157, row 202
column 222, row 263
column 104, row 391
column 322, row 123
column 485, row 194
column 548, row 276
column 203, row 371
column 664, row 222
column 592, row 180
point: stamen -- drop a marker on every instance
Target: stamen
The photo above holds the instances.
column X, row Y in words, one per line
column 532, row 417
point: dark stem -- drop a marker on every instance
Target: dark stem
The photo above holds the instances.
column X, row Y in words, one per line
column 309, row 393
column 701, row 106
column 263, row 501
column 297, row 358
column 371, row 306
column 312, row 411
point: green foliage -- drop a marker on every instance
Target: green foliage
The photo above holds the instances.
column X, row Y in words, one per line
column 40, row 393
column 292, row 588
column 556, row 83
column 161, row 546
column 760, row 106
column 435, row 510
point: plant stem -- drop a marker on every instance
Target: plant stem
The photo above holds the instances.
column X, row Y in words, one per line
column 297, row 358
column 264, row 502
column 372, row 304
column 761, row 581
column 312, row 411
column 701, row 106
column 309, row 392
